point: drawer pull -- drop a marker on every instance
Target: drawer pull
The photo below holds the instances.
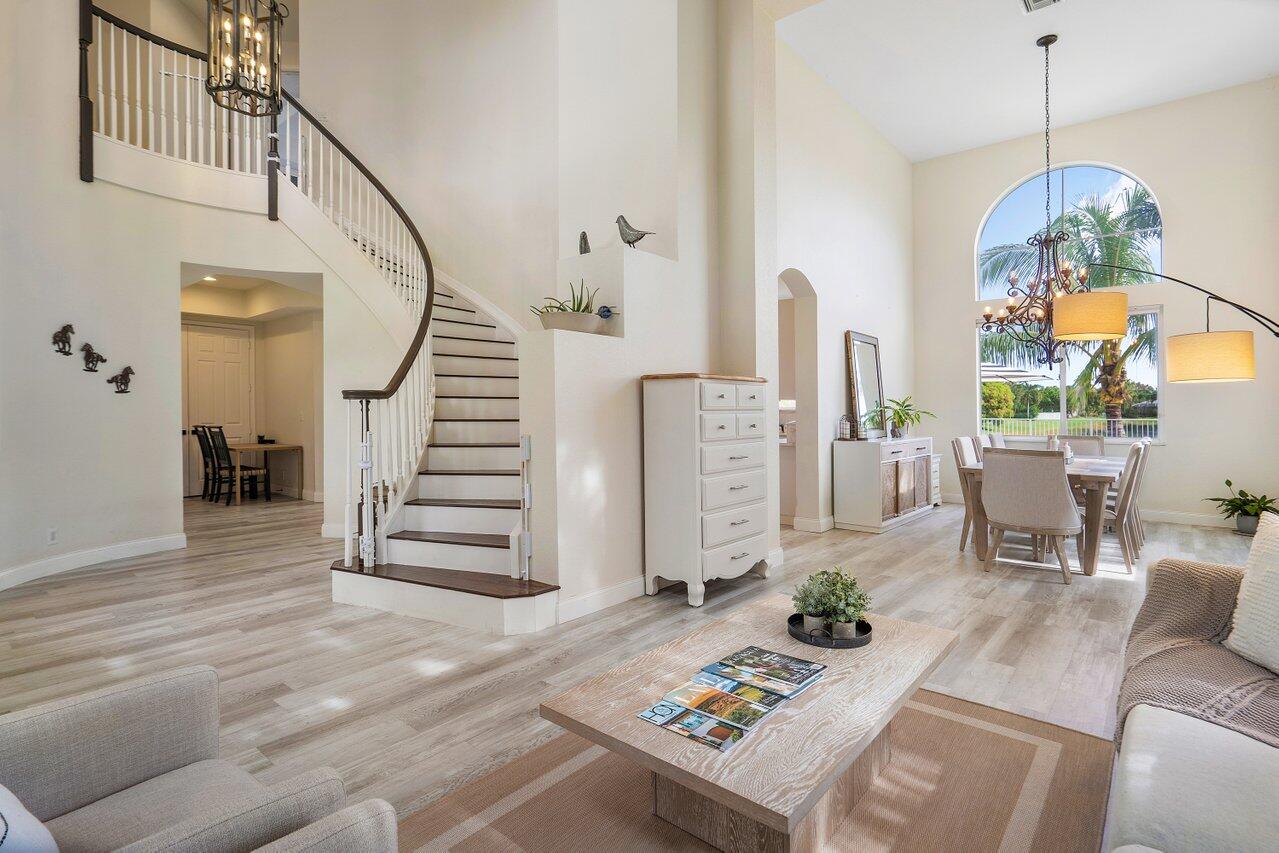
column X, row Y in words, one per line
column 737, row 458
column 720, row 397
column 737, row 488
column 922, row 447
column 739, row 556
column 894, row 453
column 754, row 426
column 721, row 426
column 739, row 523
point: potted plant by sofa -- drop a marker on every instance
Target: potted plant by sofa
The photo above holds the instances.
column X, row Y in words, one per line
column 900, row 415
column 1245, row 508
column 811, row 602
column 576, row 314
column 847, row 603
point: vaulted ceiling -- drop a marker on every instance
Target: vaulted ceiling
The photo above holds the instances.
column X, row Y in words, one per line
column 939, row 76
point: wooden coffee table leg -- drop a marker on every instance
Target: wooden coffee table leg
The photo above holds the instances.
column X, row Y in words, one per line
column 726, row 829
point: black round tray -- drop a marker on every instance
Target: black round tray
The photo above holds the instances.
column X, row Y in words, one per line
column 795, row 625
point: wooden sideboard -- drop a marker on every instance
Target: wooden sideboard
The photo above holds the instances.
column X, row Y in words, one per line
column 881, row 483
column 705, row 480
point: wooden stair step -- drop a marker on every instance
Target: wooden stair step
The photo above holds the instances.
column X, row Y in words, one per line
column 463, row 322
column 476, row 583
column 478, row 420
column 448, row 537
column 485, row 357
column 478, row 340
column 473, row 503
column 481, row 444
column 476, row 376
column 474, row 472
column 476, row 397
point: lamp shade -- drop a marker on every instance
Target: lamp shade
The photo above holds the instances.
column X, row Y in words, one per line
column 1211, row 357
column 1090, row 316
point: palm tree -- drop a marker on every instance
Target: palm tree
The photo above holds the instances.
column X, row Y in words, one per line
column 1123, row 232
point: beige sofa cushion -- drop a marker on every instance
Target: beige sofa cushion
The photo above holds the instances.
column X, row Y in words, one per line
column 1182, row 784
column 145, row 808
column 1254, row 633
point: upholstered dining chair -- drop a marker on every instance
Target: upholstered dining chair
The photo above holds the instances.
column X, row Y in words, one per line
column 965, row 454
column 1026, row 491
column 1085, row 445
column 997, row 439
column 982, row 440
column 1121, row 516
column 1139, row 525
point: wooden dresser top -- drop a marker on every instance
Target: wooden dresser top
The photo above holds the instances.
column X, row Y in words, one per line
column 715, row 376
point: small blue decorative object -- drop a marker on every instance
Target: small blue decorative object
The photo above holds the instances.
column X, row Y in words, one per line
column 605, row 312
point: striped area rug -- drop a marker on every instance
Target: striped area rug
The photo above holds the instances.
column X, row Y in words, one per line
column 962, row 777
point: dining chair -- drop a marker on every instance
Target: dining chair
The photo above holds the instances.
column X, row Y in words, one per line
column 225, row 471
column 1085, row 445
column 206, row 455
column 1120, row 516
column 997, row 439
column 1026, row 491
column 965, row 454
column 1140, row 527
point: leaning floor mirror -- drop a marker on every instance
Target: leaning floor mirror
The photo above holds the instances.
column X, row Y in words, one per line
column 865, row 385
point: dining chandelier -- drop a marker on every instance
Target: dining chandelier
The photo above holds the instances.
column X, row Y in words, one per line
column 244, row 55
column 1056, row 306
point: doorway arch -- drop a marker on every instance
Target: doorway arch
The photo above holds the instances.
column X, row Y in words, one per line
column 807, row 514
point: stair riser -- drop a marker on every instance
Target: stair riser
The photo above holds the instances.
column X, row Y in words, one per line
column 461, row 519
column 462, row 408
column 443, row 312
column 446, row 346
column 483, row 386
column 472, row 458
column 502, row 617
column 443, row 486
column 475, row 364
column 469, row 558
column 480, row 432
column 465, row 330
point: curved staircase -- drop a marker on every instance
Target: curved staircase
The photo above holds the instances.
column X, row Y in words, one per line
column 435, row 496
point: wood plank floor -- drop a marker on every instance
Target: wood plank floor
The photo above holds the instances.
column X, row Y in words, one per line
column 407, row 710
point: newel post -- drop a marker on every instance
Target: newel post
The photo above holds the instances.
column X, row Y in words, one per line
column 273, row 171
column 86, row 103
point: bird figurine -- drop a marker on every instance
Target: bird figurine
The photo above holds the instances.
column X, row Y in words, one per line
column 630, row 236
column 583, row 245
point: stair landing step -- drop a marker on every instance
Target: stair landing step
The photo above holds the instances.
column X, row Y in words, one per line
column 442, row 537
column 478, row 503
column 473, row 472
column 476, row 583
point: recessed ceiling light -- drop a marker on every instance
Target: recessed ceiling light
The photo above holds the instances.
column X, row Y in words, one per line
column 209, row 278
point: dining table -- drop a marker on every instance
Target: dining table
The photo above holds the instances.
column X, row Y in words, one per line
column 1094, row 476
column 238, row 450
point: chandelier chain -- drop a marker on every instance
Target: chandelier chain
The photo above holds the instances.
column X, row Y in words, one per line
column 1047, row 151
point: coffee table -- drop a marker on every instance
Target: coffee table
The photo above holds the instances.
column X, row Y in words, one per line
column 791, row 781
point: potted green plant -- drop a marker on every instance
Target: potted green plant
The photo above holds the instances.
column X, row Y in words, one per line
column 1244, row 508
column 847, row 604
column 576, row 314
column 900, row 415
column 811, row 602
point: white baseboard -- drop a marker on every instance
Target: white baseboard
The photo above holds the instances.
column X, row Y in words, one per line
column 598, row 599
column 333, row 530
column 776, row 557
column 952, row 497
column 79, row 559
column 788, row 519
column 1196, row 519
column 813, row 525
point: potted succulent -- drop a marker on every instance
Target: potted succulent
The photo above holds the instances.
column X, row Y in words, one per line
column 811, row 601
column 847, row 603
column 1245, row 508
column 576, row 314
column 900, row 415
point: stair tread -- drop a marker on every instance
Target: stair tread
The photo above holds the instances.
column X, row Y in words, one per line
column 472, row 355
column 479, row 444
column 474, row 397
column 475, row 376
column 448, row 537
column 473, row 340
column 455, row 308
column 479, row 420
column 477, row 503
column 474, row 472
column 462, row 322
column 476, row 583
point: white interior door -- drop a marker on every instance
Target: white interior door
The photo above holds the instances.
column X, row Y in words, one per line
column 217, row 375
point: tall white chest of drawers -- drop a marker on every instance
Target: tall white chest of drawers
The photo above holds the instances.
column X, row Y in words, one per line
column 705, row 481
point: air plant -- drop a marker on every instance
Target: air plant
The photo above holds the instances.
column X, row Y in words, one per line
column 579, row 302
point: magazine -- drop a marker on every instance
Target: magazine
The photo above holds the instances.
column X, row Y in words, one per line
column 716, row 703
column 772, row 685
column 792, row 670
column 749, row 692
column 693, row 725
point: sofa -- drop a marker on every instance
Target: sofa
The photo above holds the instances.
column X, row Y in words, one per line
column 135, row 767
column 1183, row 782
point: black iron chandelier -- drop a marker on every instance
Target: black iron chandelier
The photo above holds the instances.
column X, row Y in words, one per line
column 244, row 55
column 1056, row 306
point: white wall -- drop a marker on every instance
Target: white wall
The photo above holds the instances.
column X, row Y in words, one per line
column 844, row 222
column 1212, row 162
column 290, row 368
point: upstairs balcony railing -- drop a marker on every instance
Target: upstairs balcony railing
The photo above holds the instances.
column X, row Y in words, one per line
column 147, row 92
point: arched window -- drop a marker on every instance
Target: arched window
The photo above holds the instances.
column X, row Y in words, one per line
column 1101, row 388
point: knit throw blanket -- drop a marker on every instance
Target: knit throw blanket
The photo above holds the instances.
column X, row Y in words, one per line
column 1175, row 659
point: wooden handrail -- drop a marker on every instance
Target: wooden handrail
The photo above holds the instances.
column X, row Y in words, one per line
column 419, row 337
